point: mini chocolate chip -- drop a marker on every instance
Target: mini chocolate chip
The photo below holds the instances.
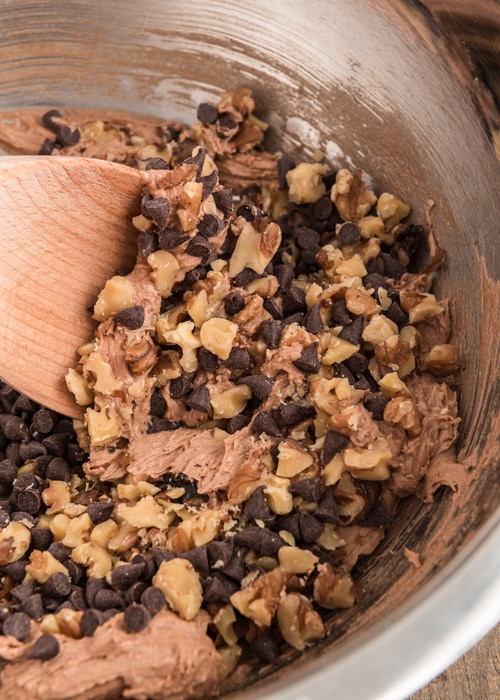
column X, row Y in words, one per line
column 260, row 385
column 257, row 507
column 157, row 405
column 290, row 523
column 237, row 423
column 234, row 303
column 58, row 470
column 207, row 360
column 322, row 208
column 219, row 589
column 353, row 333
column 29, row 501
column 157, row 209
column 23, row 404
column 122, row 577
column 265, row 423
column 284, row 165
column 4, row 518
column 293, row 413
column 132, row 317
column 56, row 443
column 100, row 511
column 340, row 370
column 136, row 617
column 60, row 551
column 313, row 323
column 45, row 648
column 244, row 277
column 170, row 238
column 376, row 405
column 270, row 331
column 207, row 113
column 310, row 527
column 349, row 233
column 198, row 558
column 309, row 255
column 199, row 399
column 294, row 318
column 159, row 425
column 239, row 358
column 23, row 591
column 33, row 606
column 309, row 489
column 210, row 226
column 293, row 301
column 77, row 598
column 106, row 598
column 220, row 553
column 31, row 450
column 68, row 136
column 246, row 211
column 147, row 565
column 307, row 237
column 198, row 247
column 273, row 307
column 48, row 119
column 327, row 510
column 16, row 570
column 14, row 428
column 392, row 267
column 147, row 243
column 160, row 555
column 308, row 361
column 12, row 453
column 195, row 275
column 224, row 201
column 225, row 125
column 265, row 647
column 77, row 572
column 209, row 183
column 18, row 625
column 357, row 363
column 57, row 586
column 26, row 481
column 284, row 275
column 47, row 147
column 263, row 541
column 8, row 472
column 153, row 599
column 340, row 314
column 375, row 281
column 235, row 567
column 334, row 442
column 179, row 387
column 90, row 621
column 157, row 163
column 362, row 383
column 396, row 314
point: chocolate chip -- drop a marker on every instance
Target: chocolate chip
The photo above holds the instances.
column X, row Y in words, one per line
column 225, row 125
column 14, row 428
column 90, row 621
column 157, row 209
column 224, row 201
column 219, row 589
column 260, row 385
column 392, row 267
column 207, row 360
column 309, row 255
column 18, row 625
column 31, row 450
column 198, row 247
column 237, row 423
column 284, row 165
column 147, row 243
column 159, row 425
column 49, row 119
column 47, row 147
column 8, row 472
column 147, row 565
column 244, row 277
column 29, row 501
column 313, row 323
column 340, row 314
column 197, row 159
column 60, row 551
column 153, row 599
column 376, row 405
column 210, row 226
column 256, row 507
column 100, row 511
column 334, row 442
column 198, row 558
column 23, row 591
column 307, row 237
column 308, row 361
column 265, row 423
column 77, row 598
column 263, row 541
column 293, row 413
column 207, row 113
column 170, row 238
column 353, row 333
column 136, row 617
column 105, row 598
column 327, row 510
column 195, row 275
column 396, row 314
column 362, row 383
column 310, row 527
column 160, row 555
column 157, row 405
column 23, row 404
column 239, row 358
column 375, row 281
column 246, row 211
column 294, row 301
column 199, row 399
column 322, row 208
column 33, row 606
column 16, row 570
column 57, row 586
column 284, row 275
column 309, row 489
column 234, row 303
column 340, row 370
column 179, row 387
column 26, row 481
column 122, row 577
column 235, row 567
column 349, row 233
column 132, row 317
column 357, row 363
column 220, row 553
column 58, row 470
column 265, row 647
column 68, row 136
column 77, row 572
column 157, row 163
column 272, row 306
column 45, row 648
column 56, row 443
column 270, row 331
column 378, row 516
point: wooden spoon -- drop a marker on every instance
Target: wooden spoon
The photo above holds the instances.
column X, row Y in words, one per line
column 65, row 228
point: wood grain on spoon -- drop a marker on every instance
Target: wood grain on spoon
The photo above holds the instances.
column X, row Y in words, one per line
column 65, row 228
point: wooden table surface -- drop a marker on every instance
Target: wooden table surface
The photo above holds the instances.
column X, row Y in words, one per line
column 476, row 676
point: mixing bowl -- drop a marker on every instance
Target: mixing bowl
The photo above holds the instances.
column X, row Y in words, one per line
column 375, row 84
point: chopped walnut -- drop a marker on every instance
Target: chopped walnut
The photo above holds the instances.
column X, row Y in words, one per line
column 181, row 585
column 441, row 360
column 351, row 196
column 402, row 411
column 259, row 600
column 305, row 182
column 333, row 589
column 299, row 623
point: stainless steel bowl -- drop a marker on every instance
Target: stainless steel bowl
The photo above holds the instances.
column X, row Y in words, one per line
column 376, row 83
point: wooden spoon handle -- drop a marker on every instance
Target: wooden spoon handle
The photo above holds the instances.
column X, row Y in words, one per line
column 65, row 228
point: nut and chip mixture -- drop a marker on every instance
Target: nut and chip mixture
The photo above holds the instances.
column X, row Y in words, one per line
column 263, row 388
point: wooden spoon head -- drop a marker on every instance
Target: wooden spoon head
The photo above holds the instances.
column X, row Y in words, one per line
column 65, row 228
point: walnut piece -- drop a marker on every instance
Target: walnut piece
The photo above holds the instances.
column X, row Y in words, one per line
column 299, row 623
column 351, row 196
column 259, row 600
